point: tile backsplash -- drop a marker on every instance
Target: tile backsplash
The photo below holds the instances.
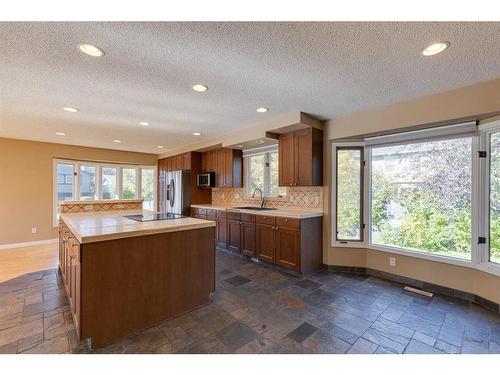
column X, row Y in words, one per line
column 104, row 205
column 297, row 197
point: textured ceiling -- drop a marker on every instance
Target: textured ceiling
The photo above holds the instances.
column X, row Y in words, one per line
column 324, row 69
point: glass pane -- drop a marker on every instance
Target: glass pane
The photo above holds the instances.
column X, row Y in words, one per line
column 87, row 182
column 256, row 173
column 147, row 193
column 128, row 183
column 421, row 197
column 64, row 183
column 495, row 198
column 274, row 188
column 349, row 216
column 109, row 190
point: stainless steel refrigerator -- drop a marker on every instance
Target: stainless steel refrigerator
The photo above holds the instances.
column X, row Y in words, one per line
column 177, row 193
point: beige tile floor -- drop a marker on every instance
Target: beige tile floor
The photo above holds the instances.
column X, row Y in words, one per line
column 20, row 261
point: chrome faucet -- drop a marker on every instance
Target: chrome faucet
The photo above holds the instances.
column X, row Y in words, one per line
column 261, row 196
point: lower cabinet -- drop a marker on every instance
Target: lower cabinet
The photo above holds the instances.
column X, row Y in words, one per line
column 288, row 248
column 234, row 235
column 70, row 267
column 248, row 238
column 265, row 242
column 221, row 232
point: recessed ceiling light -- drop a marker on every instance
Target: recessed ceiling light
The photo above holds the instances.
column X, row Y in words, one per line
column 262, row 109
column 200, row 88
column 144, row 123
column 91, row 50
column 260, row 141
column 71, row 109
column 159, row 146
column 435, row 48
column 117, row 141
column 196, row 133
column 60, row 133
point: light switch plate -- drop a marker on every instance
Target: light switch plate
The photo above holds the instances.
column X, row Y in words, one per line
column 33, row 230
column 392, row 261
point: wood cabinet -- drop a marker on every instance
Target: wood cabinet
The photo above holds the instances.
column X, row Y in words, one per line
column 234, row 235
column 301, row 158
column 287, row 248
column 248, row 238
column 70, row 267
column 227, row 164
column 221, row 232
column 265, row 242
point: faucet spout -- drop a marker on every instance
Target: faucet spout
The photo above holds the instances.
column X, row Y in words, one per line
column 262, row 202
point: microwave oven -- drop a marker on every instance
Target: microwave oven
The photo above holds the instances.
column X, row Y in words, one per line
column 206, row 179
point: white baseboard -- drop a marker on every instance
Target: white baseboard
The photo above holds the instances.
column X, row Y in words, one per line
column 26, row 244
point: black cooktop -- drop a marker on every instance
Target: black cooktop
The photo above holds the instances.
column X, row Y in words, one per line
column 154, row 217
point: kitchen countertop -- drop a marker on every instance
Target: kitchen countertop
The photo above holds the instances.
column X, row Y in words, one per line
column 110, row 225
column 295, row 213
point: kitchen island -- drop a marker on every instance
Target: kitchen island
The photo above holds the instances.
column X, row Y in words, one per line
column 123, row 275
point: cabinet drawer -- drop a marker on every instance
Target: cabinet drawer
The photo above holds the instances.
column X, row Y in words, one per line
column 262, row 219
column 221, row 214
column 231, row 215
column 211, row 212
column 248, row 218
column 288, row 222
column 201, row 211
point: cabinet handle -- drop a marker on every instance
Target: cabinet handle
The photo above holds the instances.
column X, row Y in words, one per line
column 286, row 220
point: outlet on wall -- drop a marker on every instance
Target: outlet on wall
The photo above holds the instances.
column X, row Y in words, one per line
column 392, row 261
column 33, row 230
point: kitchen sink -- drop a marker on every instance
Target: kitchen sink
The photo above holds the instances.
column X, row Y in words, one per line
column 255, row 208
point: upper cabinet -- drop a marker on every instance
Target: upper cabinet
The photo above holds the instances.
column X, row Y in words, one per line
column 301, row 158
column 227, row 165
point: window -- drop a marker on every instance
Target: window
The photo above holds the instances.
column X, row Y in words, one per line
column 64, row 183
column 109, row 183
column 262, row 168
column 431, row 193
column 494, row 198
column 349, row 214
column 129, row 183
column 148, row 188
column 425, row 208
column 89, row 181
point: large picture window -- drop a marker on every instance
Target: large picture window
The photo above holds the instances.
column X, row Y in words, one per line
column 421, row 199
column 430, row 193
column 79, row 180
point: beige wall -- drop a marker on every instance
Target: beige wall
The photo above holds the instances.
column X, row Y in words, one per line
column 26, row 184
column 480, row 101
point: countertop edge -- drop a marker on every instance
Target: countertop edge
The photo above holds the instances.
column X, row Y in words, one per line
column 285, row 213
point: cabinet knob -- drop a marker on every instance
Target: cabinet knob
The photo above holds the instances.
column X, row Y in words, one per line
column 286, row 220
column 265, row 217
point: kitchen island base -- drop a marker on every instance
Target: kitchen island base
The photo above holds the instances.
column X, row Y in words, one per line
column 117, row 287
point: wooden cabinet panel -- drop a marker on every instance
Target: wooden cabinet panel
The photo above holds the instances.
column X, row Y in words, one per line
column 228, row 167
column 186, row 161
column 248, row 218
column 288, row 222
column 211, row 213
column 234, row 235
column 220, row 176
column 209, row 161
column 248, row 238
column 265, row 242
column 232, row 215
column 303, row 157
column 221, row 235
column 288, row 248
column 286, row 160
column 269, row 220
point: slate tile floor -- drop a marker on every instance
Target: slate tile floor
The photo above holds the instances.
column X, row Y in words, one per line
column 257, row 309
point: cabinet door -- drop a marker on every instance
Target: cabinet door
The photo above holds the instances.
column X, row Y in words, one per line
column 265, row 242
column 303, row 157
column 228, row 167
column 287, row 160
column 205, row 162
column 248, row 238
column 186, row 161
column 67, row 263
column 234, row 235
column 288, row 248
column 77, row 298
column 213, row 161
column 221, row 227
column 220, row 172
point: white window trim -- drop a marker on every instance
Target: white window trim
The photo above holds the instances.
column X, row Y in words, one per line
column 480, row 206
column 266, row 151
column 99, row 165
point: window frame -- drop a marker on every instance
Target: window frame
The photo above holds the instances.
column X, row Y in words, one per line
column 99, row 165
column 335, row 149
column 266, row 151
column 480, row 196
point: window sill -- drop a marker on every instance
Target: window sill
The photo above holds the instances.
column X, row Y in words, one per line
column 487, row 267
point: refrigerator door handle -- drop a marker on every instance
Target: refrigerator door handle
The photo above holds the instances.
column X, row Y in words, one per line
column 172, row 193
